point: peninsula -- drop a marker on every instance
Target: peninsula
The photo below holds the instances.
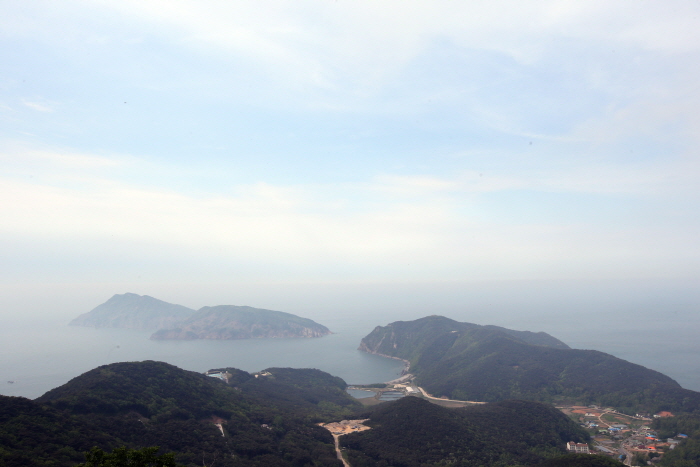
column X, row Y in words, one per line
column 465, row 361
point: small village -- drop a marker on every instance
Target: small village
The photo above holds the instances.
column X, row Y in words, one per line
column 625, row 437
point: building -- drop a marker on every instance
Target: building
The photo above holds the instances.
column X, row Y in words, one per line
column 581, row 448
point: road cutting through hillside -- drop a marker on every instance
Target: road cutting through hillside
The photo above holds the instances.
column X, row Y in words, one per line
column 428, row 396
column 341, row 428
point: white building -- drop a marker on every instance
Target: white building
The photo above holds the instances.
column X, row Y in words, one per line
column 577, row 447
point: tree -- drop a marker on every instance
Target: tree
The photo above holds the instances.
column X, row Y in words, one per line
column 124, row 457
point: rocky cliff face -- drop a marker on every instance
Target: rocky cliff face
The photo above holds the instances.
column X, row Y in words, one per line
column 133, row 311
column 242, row 322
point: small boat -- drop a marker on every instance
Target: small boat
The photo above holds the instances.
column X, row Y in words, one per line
column 10, row 382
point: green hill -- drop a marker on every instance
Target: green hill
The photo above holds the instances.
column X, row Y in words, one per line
column 413, row 432
column 149, row 403
column 170, row 321
column 581, row 460
column 241, row 322
column 485, row 363
column 133, row 311
column 315, row 393
column 32, row 434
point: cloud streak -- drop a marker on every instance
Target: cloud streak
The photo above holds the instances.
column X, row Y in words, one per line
column 415, row 140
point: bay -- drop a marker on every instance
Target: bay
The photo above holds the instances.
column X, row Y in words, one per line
column 40, row 357
column 653, row 327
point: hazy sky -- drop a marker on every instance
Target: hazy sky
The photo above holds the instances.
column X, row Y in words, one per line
column 197, row 142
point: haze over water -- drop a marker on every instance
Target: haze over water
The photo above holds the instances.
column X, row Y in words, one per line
column 532, row 165
column 652, row 323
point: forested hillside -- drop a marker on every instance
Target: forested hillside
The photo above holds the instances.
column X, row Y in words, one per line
column 470, row 362
column 413, row 432
column 270, row 419
column 241, row 322
column 581, row 460
column 687, row 453
column 156, row 404
column 133, row 311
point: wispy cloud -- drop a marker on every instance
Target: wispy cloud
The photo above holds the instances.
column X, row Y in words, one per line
column 336, row 231
column 38, row 106
column 442, row 139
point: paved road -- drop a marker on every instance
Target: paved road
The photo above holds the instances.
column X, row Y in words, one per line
column 428, row 396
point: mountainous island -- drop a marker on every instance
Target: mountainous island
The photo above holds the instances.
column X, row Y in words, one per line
column 466, row 361
column 241, row 322
column 132, row 311
column 171, row 321
column 284, row 417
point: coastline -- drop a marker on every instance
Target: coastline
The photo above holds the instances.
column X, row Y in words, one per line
column 405, row 375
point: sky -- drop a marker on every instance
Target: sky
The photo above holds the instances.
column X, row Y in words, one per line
column 201, row 150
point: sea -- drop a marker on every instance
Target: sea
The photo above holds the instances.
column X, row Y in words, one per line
column 36, row 358
column 658, row 331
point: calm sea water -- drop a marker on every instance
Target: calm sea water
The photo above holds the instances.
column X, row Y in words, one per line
column 39, row 358
column 658, row 333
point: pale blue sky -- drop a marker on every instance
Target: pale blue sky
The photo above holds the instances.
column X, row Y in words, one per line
column 198, row 142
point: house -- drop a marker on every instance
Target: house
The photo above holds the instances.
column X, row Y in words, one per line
column 577, row 447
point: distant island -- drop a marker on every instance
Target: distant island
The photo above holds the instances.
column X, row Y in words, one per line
column 241, row 322
column 288, row 417
column 170, row 321
column 466, row 361
column 132, row 311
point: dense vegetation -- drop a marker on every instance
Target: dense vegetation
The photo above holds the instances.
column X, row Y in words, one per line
column 241, row 322
column 133, row 311
column 580, row 460
column 172, row 321
column 317, row 394
column 125, row 457
column 469, row 362
column 34, row 434
column 410, row 339
column 156, row 404
column 687, row 453
column 413, row 432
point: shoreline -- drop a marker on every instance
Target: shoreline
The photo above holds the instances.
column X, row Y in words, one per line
column 404, row 373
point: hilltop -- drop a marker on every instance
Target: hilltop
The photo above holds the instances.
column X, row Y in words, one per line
column 251, row 422
column 269, row 418
column 486, row 363
column 133, row 311
column 412, row 432
column 242, row 322
column 170, row 321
